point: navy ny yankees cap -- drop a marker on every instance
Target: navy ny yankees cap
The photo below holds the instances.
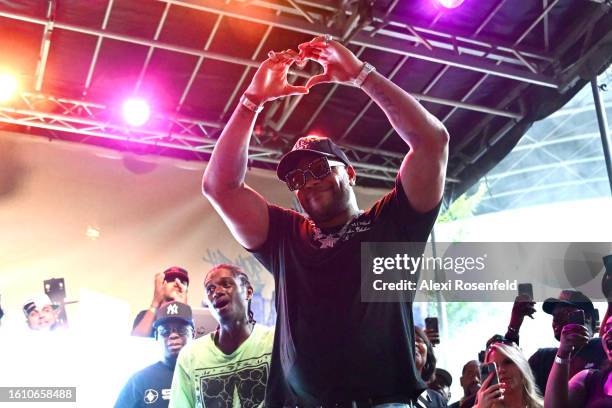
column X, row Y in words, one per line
column 173, row 311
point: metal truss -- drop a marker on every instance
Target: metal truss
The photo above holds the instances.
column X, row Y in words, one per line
column 440, row 47
column 184, row 134
column 357, row 25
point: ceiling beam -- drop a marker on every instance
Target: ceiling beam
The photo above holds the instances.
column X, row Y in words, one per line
column 234, row 60
column 473, row 59
column 186, row 134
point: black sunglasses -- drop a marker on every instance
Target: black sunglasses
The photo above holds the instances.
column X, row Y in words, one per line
column 318, row 169
column 166, row 332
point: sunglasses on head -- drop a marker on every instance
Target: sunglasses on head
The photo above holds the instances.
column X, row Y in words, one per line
column 499, row 339
column 318, row 169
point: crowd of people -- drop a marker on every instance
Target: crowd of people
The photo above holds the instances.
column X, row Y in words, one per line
column 328, row 348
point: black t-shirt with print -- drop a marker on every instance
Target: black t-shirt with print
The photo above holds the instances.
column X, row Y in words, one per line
column 330, row 347
column 148, row 388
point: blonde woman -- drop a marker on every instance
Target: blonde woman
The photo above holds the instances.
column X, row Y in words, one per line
column 516, row 388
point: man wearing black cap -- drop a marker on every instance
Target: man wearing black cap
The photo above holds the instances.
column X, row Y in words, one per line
column 170, row 285
column 330, row 348
column 590, row 355
column 151, row 386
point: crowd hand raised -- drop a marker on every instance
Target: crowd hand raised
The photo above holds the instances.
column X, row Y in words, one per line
column 270, row 80
column 572, row 336
column 158, row 293
column 340, row 65
column 433, row 336
column 523, row 306
column 488, row 395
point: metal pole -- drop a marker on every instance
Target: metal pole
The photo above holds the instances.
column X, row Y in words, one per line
column 603, row 129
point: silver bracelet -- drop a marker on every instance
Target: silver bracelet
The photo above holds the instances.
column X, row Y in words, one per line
column 561, row 361
column 250, row 105
column 363, row 74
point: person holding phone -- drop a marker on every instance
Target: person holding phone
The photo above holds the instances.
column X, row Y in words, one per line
column 511, row 384
column 561, row 308
column 591, row 388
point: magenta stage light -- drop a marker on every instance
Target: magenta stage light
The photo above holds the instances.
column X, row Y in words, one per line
column 136, row 111
column 8, row 87
column 450, row 3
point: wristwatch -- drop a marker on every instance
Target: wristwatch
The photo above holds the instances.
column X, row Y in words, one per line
column 363, row 74
column 250, row 105
column 561, row 361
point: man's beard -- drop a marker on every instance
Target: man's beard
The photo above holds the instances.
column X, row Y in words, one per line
column 338, row 203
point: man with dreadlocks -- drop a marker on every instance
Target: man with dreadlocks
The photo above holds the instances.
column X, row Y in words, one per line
column 230, row 366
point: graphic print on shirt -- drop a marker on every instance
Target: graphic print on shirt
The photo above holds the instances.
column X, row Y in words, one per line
column 150, row 396
column 353, row 226
column 242, row 383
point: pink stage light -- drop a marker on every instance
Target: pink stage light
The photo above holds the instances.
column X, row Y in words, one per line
column 136, row 111
column 450, row 3
column 8, row 87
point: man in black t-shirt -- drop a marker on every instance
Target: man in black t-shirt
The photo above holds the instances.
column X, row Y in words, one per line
column 330, row 348
column 151, row 387
column 170, row 285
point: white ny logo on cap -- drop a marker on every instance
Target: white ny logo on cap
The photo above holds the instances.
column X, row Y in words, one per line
column 172, row 309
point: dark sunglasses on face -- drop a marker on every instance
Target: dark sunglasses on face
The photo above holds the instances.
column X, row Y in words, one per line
column 167, row 331
column 318, row 169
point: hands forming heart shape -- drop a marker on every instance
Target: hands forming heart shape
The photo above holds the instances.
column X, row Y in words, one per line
column 340, row 65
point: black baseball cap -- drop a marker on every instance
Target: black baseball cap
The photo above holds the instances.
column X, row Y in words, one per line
column 176, row 272
column 568, row 297
column 307, row 145
column 170, row 311
column 443, row 377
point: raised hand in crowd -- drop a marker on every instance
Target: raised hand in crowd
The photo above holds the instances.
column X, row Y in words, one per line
column 489, row 394
column 523, row 306
column 433, row 336
column 573, row 336
column 169, row 285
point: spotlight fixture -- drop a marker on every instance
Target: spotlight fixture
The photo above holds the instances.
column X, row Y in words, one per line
column 450, row 3
column 8, row 87
column 136, row 111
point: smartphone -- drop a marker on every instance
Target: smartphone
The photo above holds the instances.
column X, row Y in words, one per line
column 431, row 323
column 485, row 370
column 576, row 317
column 526, row 289
column 481, row 356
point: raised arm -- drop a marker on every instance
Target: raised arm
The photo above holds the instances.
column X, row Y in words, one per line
column 424, row 169
column 560, row 394
column 243, row 210
column 143, row 324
